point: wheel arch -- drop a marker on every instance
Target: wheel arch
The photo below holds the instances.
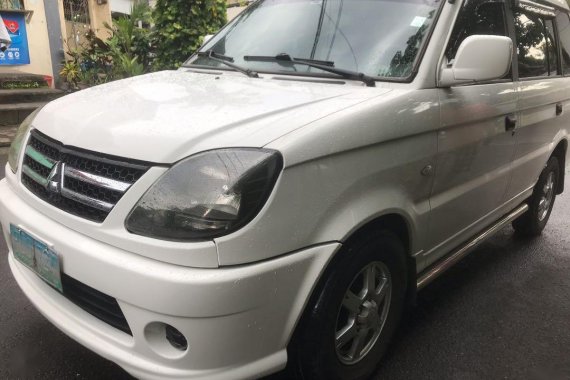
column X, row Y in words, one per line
column 560, row 152
column 401, row 227
column 393, row 223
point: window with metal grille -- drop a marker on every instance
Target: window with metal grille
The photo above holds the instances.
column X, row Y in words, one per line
column 76, row 11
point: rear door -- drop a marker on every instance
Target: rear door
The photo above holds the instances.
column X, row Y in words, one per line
column 544, row 89
column 475, row 148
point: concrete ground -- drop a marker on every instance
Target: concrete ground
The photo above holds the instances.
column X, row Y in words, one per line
column 503, row 313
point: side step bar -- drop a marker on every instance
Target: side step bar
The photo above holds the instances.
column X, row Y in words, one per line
column 443, row 265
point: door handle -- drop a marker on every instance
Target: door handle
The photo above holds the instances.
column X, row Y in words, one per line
column 559, row 109
column 511, row 122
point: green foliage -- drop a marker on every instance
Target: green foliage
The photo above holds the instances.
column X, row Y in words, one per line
column 70, row 72
column 180, row 26
column 21, row 85
column 126, row 53
column 145, row 41
column 132, row 35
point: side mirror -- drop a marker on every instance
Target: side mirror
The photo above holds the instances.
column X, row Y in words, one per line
column 207, row 38
column 479, row 58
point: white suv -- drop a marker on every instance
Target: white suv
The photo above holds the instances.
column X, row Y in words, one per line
column 282, row 197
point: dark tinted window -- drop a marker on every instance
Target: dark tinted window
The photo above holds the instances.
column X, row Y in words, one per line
column 477, row 17
column 563, row 23
column 536, row 51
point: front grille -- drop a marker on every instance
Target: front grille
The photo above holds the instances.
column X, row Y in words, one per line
column 94, row 302
column 85, row 184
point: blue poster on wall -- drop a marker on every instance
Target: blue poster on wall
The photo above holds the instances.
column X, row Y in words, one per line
column 18, row 52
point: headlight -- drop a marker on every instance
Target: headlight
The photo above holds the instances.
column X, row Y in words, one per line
column 18, row 141
column 207, row 195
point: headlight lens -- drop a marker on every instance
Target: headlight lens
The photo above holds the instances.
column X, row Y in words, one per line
column 207, row 195
column 16, row 147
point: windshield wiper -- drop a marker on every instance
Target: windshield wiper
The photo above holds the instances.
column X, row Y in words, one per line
column 286, row 58
column 228, row 61
column 322, row 65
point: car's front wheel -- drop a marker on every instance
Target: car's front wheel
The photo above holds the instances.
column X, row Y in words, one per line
column 354, row 312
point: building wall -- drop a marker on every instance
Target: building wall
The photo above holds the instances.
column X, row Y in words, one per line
column 38, row 40
column 38, row 43
column 121, row 6
column 75, row 35
column 74, row 32
column 100, row 15
column 234, row 11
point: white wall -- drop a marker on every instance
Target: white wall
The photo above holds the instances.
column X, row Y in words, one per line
column 121, row 6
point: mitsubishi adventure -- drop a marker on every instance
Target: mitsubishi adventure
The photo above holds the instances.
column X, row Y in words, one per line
column 278, row 201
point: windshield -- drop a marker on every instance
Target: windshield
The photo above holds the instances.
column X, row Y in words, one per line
column 380, row 38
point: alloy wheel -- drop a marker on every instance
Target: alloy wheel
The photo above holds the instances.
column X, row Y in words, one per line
column 547, row 197
column 363, row 313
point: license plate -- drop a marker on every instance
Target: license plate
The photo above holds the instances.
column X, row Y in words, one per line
column 37, row 256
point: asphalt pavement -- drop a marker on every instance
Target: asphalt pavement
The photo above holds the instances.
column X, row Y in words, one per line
column 502, row 313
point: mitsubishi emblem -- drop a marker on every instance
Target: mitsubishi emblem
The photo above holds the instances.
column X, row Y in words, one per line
column 55, row 178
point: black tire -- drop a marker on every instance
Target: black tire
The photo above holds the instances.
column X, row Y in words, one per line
column 533, row 222
column 312, row 353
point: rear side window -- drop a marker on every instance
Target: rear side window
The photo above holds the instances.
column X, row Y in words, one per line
column 563, row 24
column 536, row 49
column 477, row 17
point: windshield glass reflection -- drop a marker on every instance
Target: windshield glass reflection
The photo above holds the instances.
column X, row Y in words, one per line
column 380, row 38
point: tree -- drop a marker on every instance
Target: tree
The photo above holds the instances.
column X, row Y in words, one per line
column 180, row 26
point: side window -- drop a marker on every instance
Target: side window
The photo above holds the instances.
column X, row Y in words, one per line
column 535, row 45
column 477, row 17
column 563, row 23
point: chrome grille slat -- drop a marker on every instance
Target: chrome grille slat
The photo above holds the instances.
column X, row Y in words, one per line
column 88, row 201
column 34, row 175
column 96, row 180
column 82, row 183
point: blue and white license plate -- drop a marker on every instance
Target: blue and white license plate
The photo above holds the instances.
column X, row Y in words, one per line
column 37, row 256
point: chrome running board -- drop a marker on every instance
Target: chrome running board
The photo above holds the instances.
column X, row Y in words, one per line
column 443, row 265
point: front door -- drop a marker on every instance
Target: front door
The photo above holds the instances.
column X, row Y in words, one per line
column 475, row 141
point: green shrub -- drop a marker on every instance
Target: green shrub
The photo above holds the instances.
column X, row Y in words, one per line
column 22, row 85
column 126, row 53
column 145, row 41
column 71, row 73
column 180, row 26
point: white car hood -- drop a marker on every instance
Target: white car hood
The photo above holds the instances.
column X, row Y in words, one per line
column 164, row 117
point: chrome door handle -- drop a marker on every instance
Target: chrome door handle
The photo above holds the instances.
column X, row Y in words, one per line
column 559, row 109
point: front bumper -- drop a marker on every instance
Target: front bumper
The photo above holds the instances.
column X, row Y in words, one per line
column 237, row 320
